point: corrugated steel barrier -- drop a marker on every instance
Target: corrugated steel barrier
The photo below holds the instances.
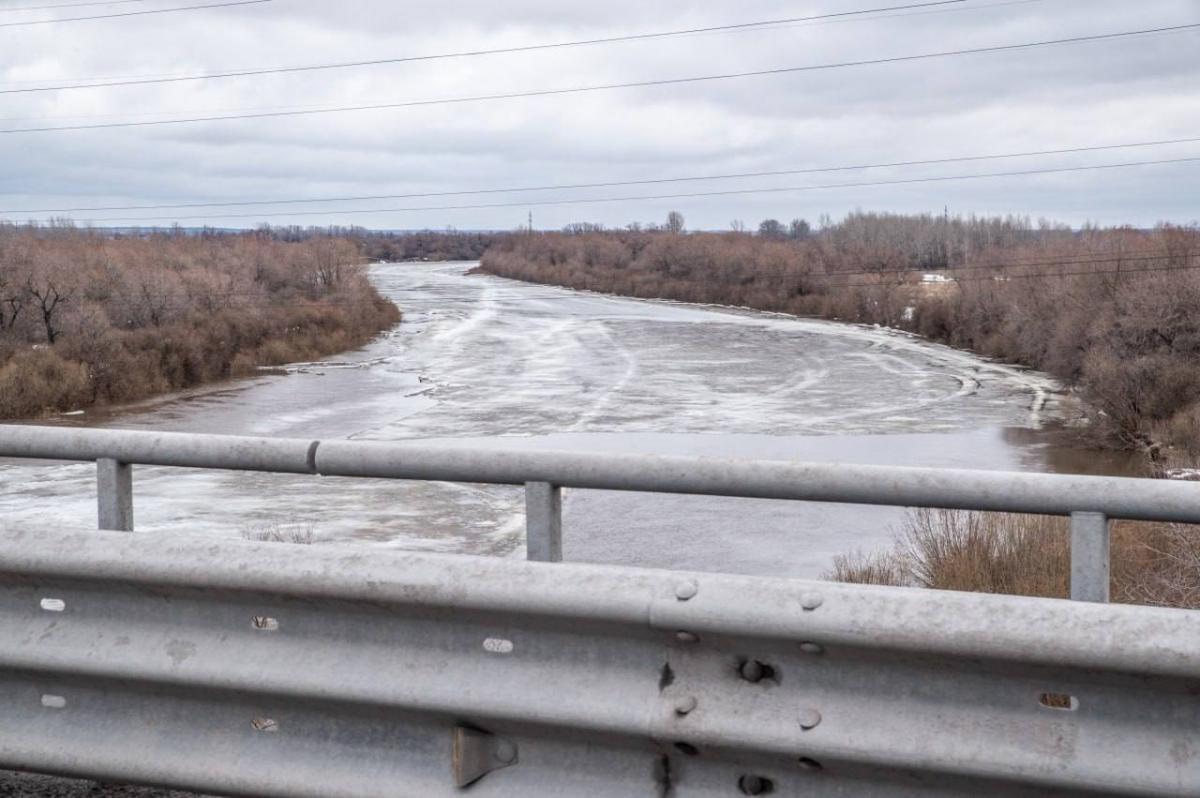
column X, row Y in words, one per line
column 277, row 670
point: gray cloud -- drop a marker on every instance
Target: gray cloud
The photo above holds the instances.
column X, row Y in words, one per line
column 1126, row 90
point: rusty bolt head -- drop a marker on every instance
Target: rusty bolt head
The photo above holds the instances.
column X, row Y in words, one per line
column 686, row 705
column 686, row 590
column 809, row 719
column 810, row 601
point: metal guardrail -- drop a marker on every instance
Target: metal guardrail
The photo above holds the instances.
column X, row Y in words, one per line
column 1090, row 502
column 336, row 672
column 272, row 670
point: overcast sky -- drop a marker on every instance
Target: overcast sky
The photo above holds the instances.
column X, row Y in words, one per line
column 1127, row 90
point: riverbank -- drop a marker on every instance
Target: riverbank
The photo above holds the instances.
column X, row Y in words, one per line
column 1110, row 313
column 89, row 320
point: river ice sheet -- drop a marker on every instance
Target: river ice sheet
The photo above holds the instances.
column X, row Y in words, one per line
column 482, row 361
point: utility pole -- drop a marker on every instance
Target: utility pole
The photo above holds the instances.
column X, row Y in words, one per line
column 531, row 223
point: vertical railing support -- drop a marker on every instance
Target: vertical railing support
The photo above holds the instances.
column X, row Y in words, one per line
column 543, row 522
column 1090, row 557
column 114, row 494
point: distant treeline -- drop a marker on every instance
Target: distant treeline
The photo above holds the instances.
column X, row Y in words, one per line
column 1114, row 313
column 90, row 318
column 428, row 245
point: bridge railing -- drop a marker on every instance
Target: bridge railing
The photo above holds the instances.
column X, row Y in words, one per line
column 1090, row 502
column 266, row 669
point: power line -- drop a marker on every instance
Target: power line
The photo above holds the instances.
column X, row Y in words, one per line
column 622, row 183
column 131, row 13
column 71, row 82
column 615, row 86
column 74, row 5
column 638, row 198
column 239, row 73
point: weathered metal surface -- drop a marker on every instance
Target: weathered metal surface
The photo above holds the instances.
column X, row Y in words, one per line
column 152, row 663
column 185, row 450
column 1085, row 499
column 114, row 495
column 1051, row 494
column 252, row 669
column 543, row 522
column 1091, row 554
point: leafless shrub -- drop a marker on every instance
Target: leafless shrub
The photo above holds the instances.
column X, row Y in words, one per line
column 1155, row 564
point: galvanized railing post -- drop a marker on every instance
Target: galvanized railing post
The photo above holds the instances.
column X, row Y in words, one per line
column 543, row 522
column 114, row 494
column 1090, row 557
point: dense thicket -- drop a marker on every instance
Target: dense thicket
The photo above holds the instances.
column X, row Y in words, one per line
column 1113, row 312
column 89, row 318
column 395, row 246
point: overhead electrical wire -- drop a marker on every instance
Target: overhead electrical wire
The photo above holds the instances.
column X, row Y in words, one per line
column 238, row 73
column 867, row 16
column 655, row 197
column 615, row 183
column 122, row 14
column 72, row 5
column 615, row 86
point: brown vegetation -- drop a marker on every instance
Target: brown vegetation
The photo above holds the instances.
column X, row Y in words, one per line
column 400, row 245
column 88, row 318
column 1155, row 564
column 1111, row 312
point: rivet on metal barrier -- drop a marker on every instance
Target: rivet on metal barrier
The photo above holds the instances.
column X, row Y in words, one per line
column 811, row 601
column 755, row 785
column 814, row 649
column 687, row 637
column 809, row 719
column 754, row 671
column 686, row 705
column 685, row 591
column 807, row 763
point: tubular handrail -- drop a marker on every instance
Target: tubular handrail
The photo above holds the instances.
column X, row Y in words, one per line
column 1090, row 501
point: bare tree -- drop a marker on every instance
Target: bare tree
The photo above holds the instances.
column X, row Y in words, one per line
column 675, row 222
column 12, row 299
column 49, row 295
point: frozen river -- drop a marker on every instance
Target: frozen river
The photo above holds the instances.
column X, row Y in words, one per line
column 482, row 361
